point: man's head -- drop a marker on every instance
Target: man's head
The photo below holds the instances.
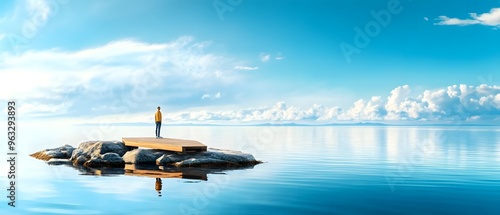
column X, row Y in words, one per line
column 158, row 108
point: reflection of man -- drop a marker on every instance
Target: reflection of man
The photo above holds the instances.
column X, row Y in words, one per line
column 158, row 122
column 158, row 186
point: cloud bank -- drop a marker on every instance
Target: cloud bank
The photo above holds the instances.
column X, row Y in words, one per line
column 125, row 74
column 457, row 103
column 491, row 18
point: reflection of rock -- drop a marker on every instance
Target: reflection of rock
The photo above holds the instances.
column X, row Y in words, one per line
column 154, row 171
column 99, row 154
column 205, row 162
column 100, row 171
column 63, row 152
column 57, row 162
column 142, row 156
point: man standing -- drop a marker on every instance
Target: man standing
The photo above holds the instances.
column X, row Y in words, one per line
column 158, row 118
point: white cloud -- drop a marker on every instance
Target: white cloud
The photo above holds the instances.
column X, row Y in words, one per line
column 278, row 112
column 208, row 96
column 264, row 57
column 492, row 18
column 426, row 18
column 246, row 68
column 279, row 56
column 444, row 20
column 396, row 98
column 205, row 96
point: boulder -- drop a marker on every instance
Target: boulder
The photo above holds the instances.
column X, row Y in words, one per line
column 142, row 156
column 229, row 155
column 94, row 154
column 214, row 158
column 63, row 152
column 109, row 159
column 96, row 148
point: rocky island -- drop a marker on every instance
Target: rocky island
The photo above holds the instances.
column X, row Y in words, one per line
column 114, row 154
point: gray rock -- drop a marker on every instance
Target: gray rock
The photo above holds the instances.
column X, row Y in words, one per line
column 93, row 154
column 229, row 155
column 93, row 149
column 80, row 160
column 112, row 157
column 170, row 158
column 63, row 152
column 109, row 159
column 57, row 162
column 142, row 156
column 211, row 158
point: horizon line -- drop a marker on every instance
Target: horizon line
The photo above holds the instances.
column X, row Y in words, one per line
column 291, row 124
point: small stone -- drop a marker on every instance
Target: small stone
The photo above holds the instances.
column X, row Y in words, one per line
column 63, row 152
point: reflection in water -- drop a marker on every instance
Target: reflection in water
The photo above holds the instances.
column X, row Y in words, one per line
column 157, row 172
column 153, row 171
column 158, row 186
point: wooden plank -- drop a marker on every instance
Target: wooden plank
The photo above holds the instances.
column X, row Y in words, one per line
column 168, row 144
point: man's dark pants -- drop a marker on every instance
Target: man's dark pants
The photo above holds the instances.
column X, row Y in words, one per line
column 158, row 127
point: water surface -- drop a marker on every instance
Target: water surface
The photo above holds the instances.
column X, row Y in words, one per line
column 307, row 170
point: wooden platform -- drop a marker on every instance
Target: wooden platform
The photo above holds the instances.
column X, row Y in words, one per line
column 168, row 144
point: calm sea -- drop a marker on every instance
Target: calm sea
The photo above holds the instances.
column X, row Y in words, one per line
column 307, row 170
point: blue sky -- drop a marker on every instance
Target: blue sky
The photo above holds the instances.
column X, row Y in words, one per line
column 252, row 61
